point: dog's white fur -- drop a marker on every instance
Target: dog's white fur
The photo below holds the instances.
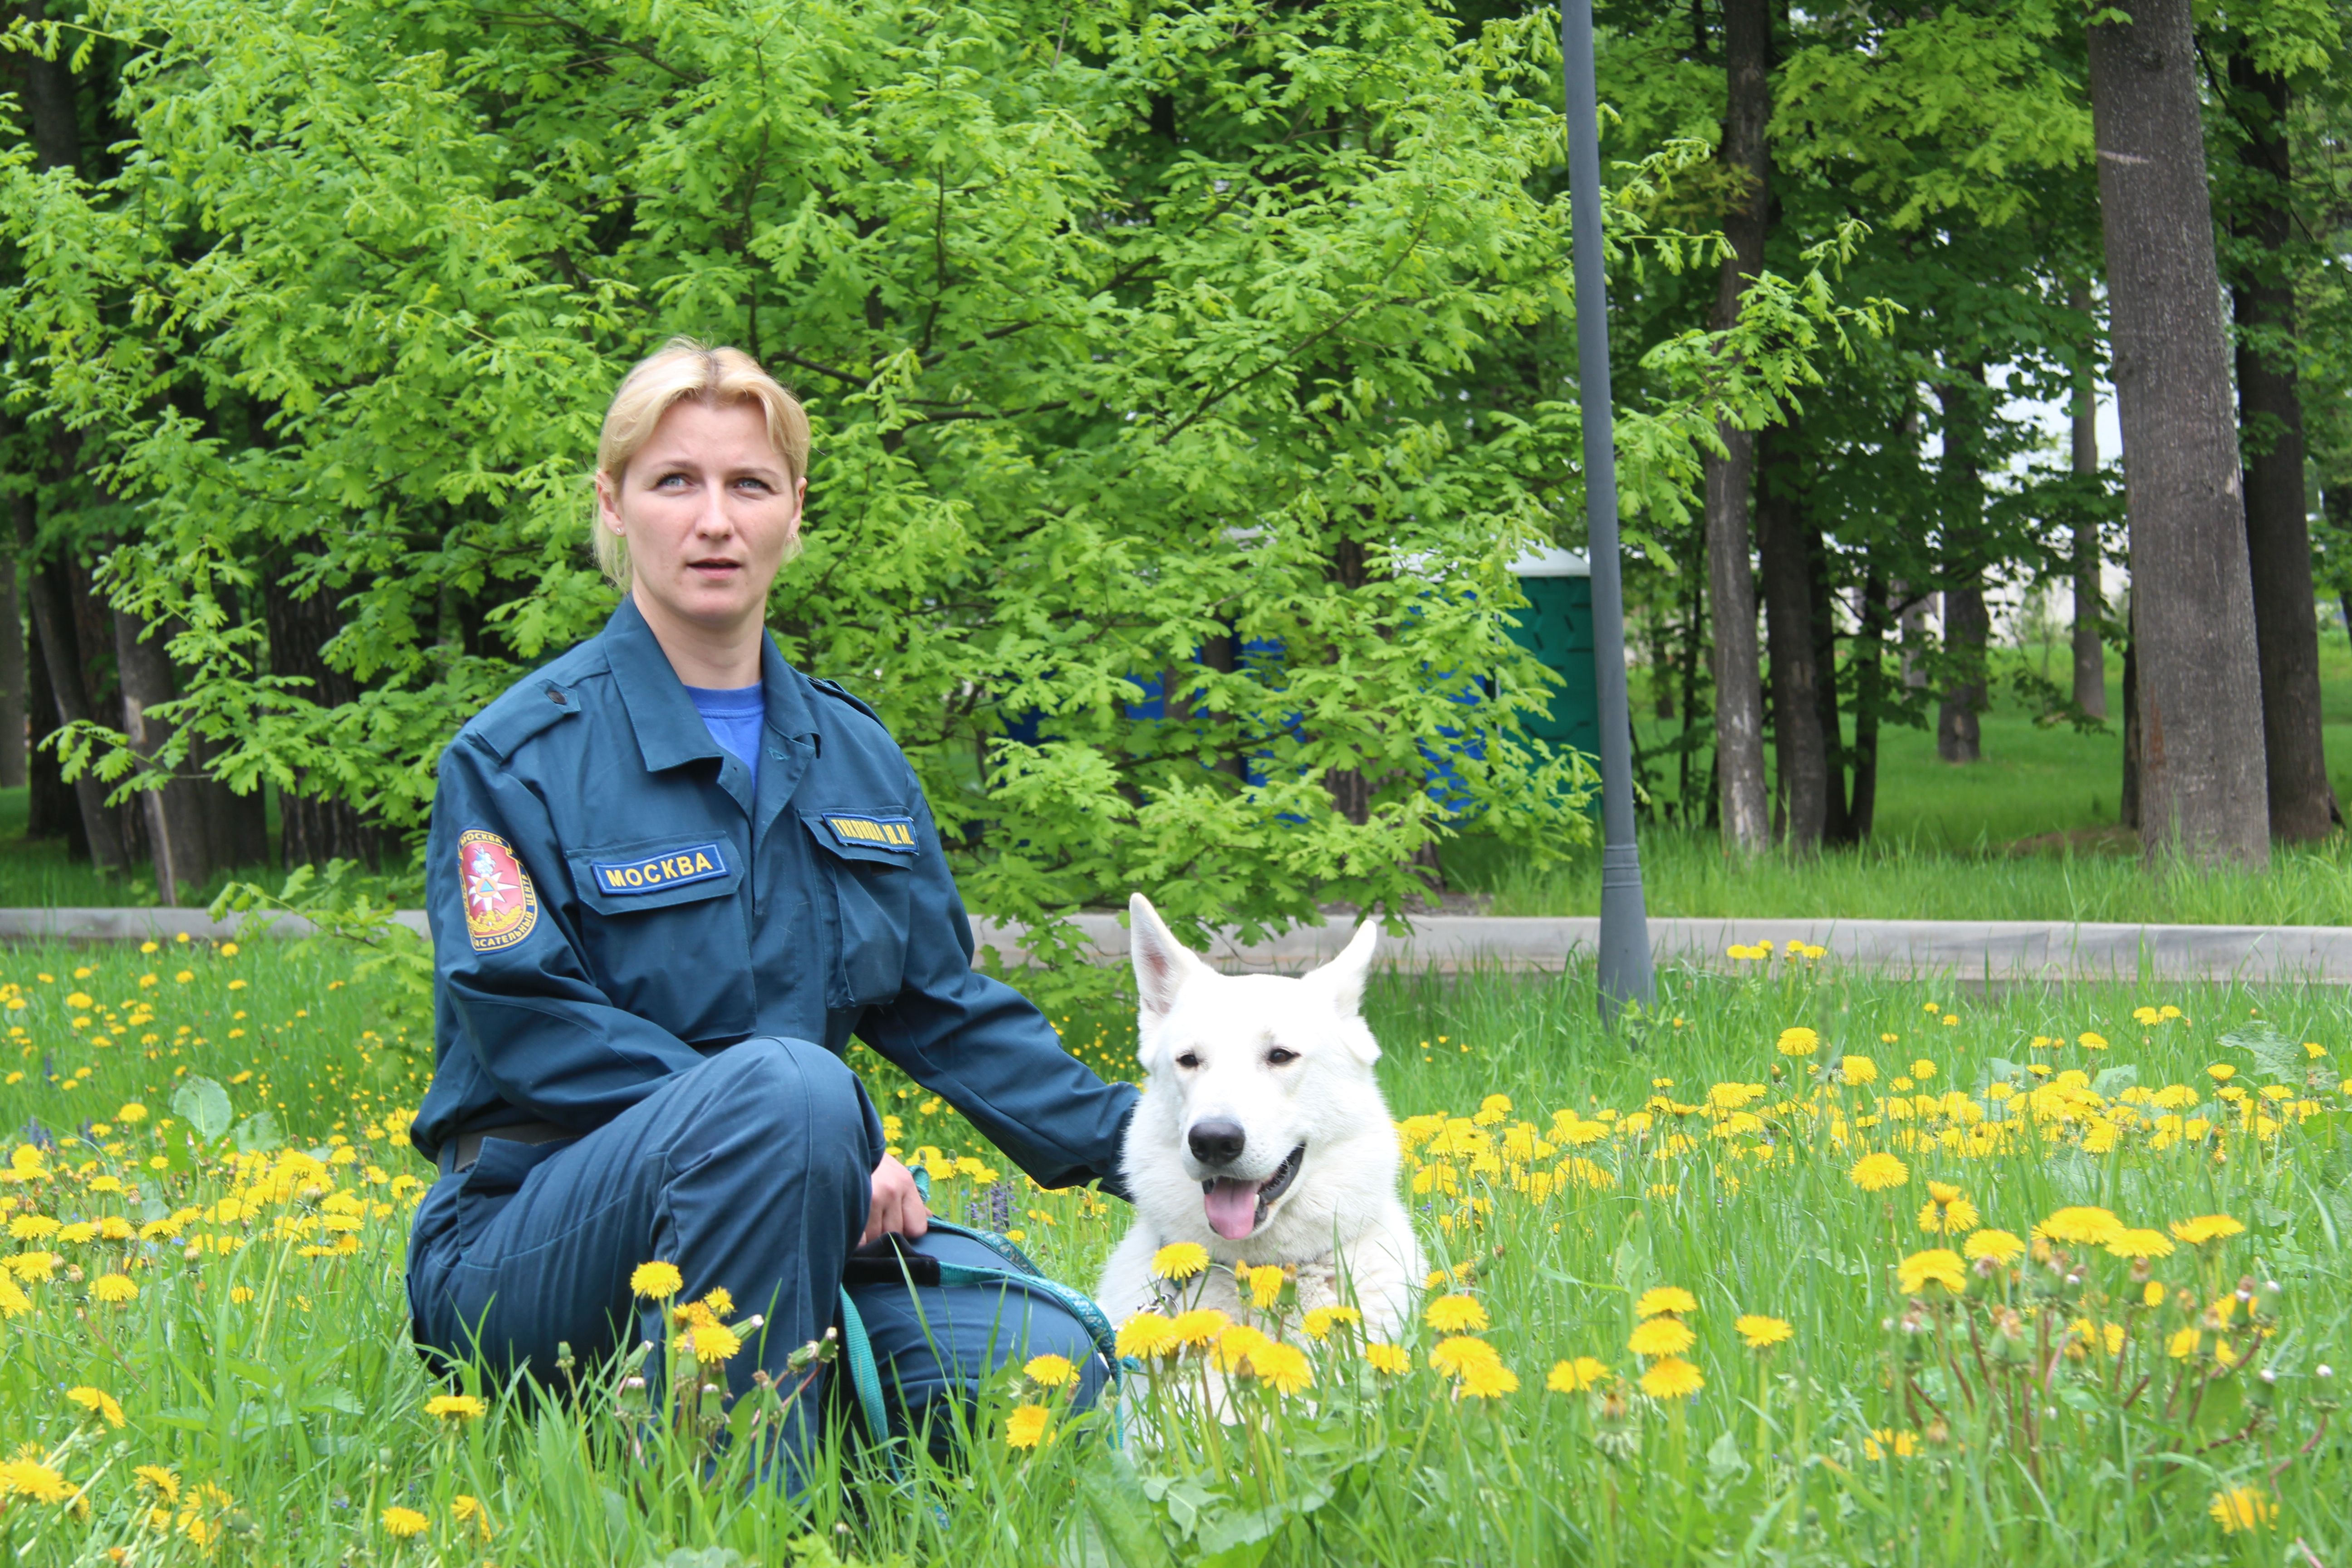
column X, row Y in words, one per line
column 1207, row 1041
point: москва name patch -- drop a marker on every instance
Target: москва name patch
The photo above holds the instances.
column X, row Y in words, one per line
column 669, row 868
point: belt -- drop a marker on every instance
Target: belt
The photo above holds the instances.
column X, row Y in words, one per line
column 461, row 1152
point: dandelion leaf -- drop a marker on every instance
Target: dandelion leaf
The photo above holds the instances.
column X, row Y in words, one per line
column 203, row 1106
column 2276, row 1056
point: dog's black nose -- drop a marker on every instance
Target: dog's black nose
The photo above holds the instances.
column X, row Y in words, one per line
column 1217, row 1142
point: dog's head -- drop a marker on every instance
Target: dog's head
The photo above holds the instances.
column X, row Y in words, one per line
column 1259, row 1070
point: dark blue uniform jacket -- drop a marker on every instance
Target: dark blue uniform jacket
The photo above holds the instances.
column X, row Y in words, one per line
column 612, row 902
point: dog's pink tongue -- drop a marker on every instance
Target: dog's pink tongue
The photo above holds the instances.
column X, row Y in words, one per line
column 1233, row 1208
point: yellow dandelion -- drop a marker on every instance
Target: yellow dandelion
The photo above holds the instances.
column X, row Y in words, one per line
column 712, row 1342
column 1673, row 1378
column 29, row 1478
column 1147, row 1334
column 1049, row 1371
column 719, row 1302
column 2206, row 1227
column 455, row 1409
column 2083, row 1226
column 2241, row 1508
column 132, row 1113
column 1027, row 1427
column 465, row 1508
column 114, row 1290
column 1937, row 1266
column 1858, row 1069
column 1319, row 1322
column 2002, row 1246
column 1178, row 1260
column 404, row 1522
column 1282, row 1367
column 97, row 1402
column 1883, row 1441
column 1265, row 1283
column 1878, row 1173
column 1385, row 1358
column 1660, row 1336
column 1576, row 1375
column 1452, row 1354
column 161, row 1479
column 1665, row 1300
column 1199, row 1327
column 1235, row 1344
column 1761, row 1332
column 1455, row 1314
column 1798, row 1042
column 656, row 1281
column 2141, row 1243
column 1487, row 1380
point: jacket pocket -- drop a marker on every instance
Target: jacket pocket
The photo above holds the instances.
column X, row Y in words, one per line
column 664, row 931
column 868, row 866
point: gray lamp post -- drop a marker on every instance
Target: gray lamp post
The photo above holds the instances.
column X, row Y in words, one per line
column 1625, row 973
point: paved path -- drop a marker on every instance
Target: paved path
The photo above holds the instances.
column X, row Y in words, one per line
column 1987, row 949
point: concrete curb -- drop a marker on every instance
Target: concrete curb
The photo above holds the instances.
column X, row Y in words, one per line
column 1971, row 950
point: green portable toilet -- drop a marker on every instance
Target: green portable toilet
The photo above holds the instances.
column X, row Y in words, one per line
column 1557, row 628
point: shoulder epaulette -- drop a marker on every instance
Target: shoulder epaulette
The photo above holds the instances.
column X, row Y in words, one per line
column 835, row 688
column 540, row 702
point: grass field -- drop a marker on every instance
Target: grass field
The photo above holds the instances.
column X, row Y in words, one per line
column 207, row 1362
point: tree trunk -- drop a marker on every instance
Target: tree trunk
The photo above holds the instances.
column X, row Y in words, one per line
column 12, row 678
column 1797, row 740
column 1738, row 689
column 312, row 831
column 53, row 622
column 1837, row 824
column 2090, row 597
column 2127, row 804
column 175, row 817
column 1967, row 627
column 2270, row 429
column 51, row 809
column 1869, row 685
column 2203, row 793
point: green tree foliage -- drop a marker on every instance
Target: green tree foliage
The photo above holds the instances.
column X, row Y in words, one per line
column 1183, row 382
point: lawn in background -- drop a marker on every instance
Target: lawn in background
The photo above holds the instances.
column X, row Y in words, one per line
column 271, row 1410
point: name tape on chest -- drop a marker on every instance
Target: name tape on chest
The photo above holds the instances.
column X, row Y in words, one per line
column 853, row 831
column 669, row 868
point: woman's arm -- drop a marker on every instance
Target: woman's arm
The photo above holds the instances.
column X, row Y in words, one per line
column 525, row 1034
column 986, row 1049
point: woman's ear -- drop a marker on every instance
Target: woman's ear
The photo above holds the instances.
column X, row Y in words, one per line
column 608, row 503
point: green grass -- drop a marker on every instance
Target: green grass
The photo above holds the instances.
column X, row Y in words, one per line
column 1684, row 872
column 1958, row 843
column 302, row 1404
column 36, row 873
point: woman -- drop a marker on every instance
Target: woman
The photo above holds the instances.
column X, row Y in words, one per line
column 669, row 876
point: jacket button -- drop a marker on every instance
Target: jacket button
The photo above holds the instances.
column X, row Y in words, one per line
column 556, row 696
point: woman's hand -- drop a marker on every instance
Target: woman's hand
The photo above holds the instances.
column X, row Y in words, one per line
column 898, row 1207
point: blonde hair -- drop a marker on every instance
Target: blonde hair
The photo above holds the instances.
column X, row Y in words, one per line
column 681, row 369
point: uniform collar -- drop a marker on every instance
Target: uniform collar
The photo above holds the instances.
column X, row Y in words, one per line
column 669, row 730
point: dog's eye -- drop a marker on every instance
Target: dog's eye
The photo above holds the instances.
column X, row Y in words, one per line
column 1188, row 1060
column 1277, row 1056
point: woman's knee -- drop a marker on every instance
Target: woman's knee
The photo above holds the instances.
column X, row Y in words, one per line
column 771, row 1098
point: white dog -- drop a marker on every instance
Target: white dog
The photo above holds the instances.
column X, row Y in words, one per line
column 1260, row 1135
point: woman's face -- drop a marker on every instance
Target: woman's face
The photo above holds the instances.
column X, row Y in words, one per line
column 708, row 512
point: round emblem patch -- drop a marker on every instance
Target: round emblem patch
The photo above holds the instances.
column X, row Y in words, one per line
column 502, row 906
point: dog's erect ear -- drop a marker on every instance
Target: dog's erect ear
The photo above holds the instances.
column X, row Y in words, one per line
column 1343, row 977
column 1162, row 965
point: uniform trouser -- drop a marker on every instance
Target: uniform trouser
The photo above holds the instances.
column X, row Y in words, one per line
column 751, row 1172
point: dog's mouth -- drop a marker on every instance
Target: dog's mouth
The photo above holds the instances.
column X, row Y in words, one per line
column 1237, row 1208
